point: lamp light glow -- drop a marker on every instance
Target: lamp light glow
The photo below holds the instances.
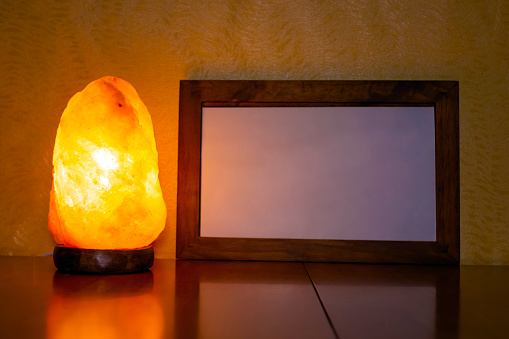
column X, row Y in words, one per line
column 106, row 193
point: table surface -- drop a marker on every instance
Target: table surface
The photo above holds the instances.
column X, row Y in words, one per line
column 227, row 299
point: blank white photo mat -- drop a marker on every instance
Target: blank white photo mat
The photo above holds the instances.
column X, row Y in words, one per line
column 350, row 173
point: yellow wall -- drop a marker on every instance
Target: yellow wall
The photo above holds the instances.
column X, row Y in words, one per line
column 51, row 49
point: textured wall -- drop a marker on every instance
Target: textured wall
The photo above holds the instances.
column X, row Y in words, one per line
column 51, row 49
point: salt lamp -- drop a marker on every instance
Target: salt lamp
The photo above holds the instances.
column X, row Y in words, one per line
column 106, row 204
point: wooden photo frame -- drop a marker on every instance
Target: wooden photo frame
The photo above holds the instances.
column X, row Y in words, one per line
column 197, row 95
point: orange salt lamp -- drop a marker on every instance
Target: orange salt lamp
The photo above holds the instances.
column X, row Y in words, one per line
column 106, row 205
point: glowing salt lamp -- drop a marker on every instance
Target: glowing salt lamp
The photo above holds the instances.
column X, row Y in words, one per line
column 106, row 205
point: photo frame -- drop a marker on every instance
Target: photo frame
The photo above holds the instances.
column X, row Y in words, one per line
column 199, row 95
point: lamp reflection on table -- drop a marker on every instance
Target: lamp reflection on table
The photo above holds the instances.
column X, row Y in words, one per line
column 104, row 307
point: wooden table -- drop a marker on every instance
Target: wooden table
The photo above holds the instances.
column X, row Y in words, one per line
column 211, row 299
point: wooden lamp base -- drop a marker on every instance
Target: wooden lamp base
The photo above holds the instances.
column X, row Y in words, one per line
column 90, row 261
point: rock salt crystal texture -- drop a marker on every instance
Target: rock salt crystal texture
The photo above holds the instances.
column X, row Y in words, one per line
column 106, row 192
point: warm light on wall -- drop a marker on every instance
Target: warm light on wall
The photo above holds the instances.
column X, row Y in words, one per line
column 106, row 194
